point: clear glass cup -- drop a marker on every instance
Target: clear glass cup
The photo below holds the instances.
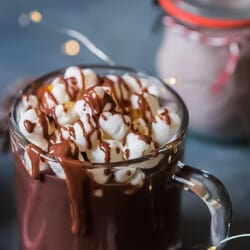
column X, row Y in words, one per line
column 115, row 216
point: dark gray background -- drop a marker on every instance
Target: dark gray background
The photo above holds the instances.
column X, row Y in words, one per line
column 129, row 32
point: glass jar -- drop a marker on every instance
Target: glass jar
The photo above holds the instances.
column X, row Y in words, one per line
column 205, row 56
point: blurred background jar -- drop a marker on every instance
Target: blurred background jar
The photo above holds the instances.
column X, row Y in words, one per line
column 205, row 56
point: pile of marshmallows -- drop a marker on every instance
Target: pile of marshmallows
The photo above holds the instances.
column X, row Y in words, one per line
column 107, row 118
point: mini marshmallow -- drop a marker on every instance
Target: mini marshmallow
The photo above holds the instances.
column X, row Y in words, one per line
column 58, row 90
column 76, row 72
column 90, row 78
column 63, row 133
column 36, row 135
column 98, row 175
column 65, row 114
column 136, row 146
column 97, row 95
column 124, row 174
column 136, row 85
column 164, row 128
column 111, row 151
column 29, row 101
column 154, row 90
column 115, row 126
column 150, row 106
column 85, row 78
column 121, row 89
column 85, row 133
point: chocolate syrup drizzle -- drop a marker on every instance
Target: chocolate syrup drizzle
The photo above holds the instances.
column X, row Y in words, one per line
column 34, row 153
column 76, row 177
column 29, row 126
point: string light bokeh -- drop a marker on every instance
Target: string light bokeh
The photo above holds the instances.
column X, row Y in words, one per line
column 71, row 48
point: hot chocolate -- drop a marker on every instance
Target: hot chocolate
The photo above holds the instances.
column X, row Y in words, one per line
column 97, row 159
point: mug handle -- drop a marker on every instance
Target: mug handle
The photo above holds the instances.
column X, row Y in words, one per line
column 214, row 195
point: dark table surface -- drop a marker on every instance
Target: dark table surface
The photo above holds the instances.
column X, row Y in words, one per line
column 129, row 32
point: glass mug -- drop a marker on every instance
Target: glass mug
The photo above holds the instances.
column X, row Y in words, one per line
column 117, row 217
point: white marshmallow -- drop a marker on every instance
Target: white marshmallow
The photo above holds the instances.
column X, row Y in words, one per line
column 29, row 101
column 138, row 178
column 83, row 128
column 63, row 133
column 116, row 126
column 154, row 90
column 162, row 132
column 136, row 85
column 151, row 101
column 99, row 155
column 82, row 107
column 59, row 92
column 76, row 72
column 90, row 78
column 65, row 114
column 124, row 174
column 36, row 135
column 120, row 88
column 136, row 146
column 97, row 174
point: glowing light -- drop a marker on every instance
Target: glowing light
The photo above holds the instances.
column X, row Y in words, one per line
column 170, row 81
column 23, row 20
column 71, row 48
column 36, row 16
column 150, row 187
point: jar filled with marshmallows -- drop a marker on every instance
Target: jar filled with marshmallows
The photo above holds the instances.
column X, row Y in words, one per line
column 205, row 57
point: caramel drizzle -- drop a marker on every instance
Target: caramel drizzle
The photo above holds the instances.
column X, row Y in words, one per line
column 76, row 177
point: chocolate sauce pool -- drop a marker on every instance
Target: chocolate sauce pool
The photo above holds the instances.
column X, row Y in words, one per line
column 147, row 219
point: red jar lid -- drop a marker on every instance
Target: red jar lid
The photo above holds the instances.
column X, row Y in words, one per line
column 210, row 13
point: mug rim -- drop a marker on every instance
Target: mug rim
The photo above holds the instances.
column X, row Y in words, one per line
column 23, row 142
